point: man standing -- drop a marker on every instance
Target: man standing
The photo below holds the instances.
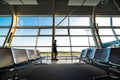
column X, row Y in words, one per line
column 55, row 53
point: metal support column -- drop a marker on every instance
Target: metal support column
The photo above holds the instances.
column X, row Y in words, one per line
column 53, row 29
column 95, row 30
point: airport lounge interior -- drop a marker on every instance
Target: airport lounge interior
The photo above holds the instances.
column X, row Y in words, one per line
column 59, row 40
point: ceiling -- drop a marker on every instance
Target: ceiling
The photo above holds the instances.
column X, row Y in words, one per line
column 60, row 7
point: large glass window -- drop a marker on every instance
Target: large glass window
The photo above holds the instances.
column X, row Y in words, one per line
column 61, row 21
column 117, row 31
column 28, row 21
column 116, row 21
column 79, row 21
column 61, row 31
column 26, row 32
column 24, row 41
column 105, row 31
column 80, row 32
column 63, row 41
column 4, row 31
column 82, row 41
column 44, row 41
column 103, row 21
column 46, row 21
column 2, row 39
column 45, row 31
column 107, row 39
column 5, row 20
column 78, row 39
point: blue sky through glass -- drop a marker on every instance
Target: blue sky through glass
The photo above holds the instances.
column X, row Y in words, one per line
column 5, row 21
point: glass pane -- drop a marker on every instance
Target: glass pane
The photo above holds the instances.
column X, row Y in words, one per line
column 63, row 23
column 63, row 41
column 117, row 31
column 61, row 32
column 107, row 39
column 5, row 21
column 27, row 21
column 116, row 21
column 46, row 21
column 80, row 32
column 44, row 49
column 82, row 41
column 79, row 21
column 2, row 39
column 63, row 49
column 24, row 47
column 118, row 37
column 26, row 32
column 78, row 49
column 23, row 41
column 105, row 32
column 103, row 21
column 44, row 41
column 45, row 31
column 3, row 31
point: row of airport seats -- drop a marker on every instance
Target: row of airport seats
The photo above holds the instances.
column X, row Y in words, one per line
column 107, row 59
column 12, row 60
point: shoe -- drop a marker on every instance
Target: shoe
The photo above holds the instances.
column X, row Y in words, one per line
column 56, row 59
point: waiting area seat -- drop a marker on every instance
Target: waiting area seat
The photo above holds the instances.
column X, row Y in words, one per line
column 31, row 54
column 90, row 55
column 39, row 58
column 107, row 59
column 20, row 59
column 6, row 64
column 82, row 56
column 12, row 60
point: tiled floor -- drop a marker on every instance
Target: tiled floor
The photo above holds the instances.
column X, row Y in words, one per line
column 61, row 60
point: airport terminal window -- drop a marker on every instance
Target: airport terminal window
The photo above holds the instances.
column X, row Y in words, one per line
column 44, row 41
column 64, row 49
column 26, row 32
column 105, row 39
column 4, row 31
column 46, row 21
column 78, row 49
column 103, row 21
column 117, row 31
column 28, row 21
column 61, row 32
column 82, row 41
column 105, row 32
column 46, row 32
column 5, row 21
column 80, row 32
column 23, row 41
column 5, row 24
column 116, row 21
column 45, row 50
column 79, row 21
column 63, row 40
column 58, row 20
column 2, row 39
